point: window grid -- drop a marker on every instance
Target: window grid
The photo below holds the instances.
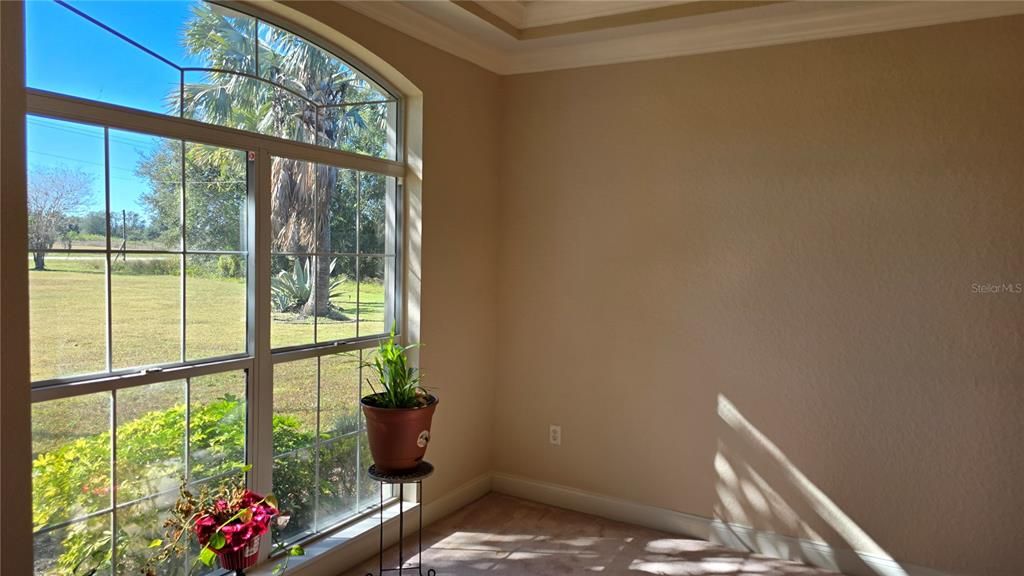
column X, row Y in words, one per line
column 115, row 380
column 115, row 509
column 391, row 152
column 114, row 506
column 111, row 257
column 322, row 439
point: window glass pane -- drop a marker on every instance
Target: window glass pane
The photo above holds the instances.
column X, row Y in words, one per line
column 67, row 315
column 137, row 526
column 369, row 489
column 343, row 212
column 215, row 191
column 215, row 305
column 66, row 53
column 340, row 322
column 296, row 199
column 338, row 464
column 299, row 194
column 372, row 276
column 295, row 405
column 145, row 294
column 293, row 61
column 71, row 451
column 329, row 82
column 295, row 489
column 236, row 101
column 66, row 201
column 372, row 212
column 150, row 439
column 84, row 544
column 364, row 129
column 291, row 288
column 217, row 37
column 315, row 206
column 339, row 395
column 217, row 424
column 145, row 192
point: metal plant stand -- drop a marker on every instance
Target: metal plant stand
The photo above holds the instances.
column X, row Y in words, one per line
column 414, row 476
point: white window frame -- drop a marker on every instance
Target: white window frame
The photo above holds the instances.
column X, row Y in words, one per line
column 260, row 358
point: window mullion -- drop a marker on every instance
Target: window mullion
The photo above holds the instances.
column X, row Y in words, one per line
column 52, row 105
column 359, row 276
column 316, row 450
column 260, row 389
column 109, row 271
column 113, row 481
column 183, row 258
column 188, row 430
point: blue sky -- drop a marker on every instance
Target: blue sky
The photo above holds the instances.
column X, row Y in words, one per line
column 68, row 54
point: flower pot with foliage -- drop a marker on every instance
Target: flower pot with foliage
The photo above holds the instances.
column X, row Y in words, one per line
column 228, row 524
column 399, row 412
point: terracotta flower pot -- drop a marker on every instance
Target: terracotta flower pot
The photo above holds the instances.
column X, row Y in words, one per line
column 398, row 436
column 242, row 558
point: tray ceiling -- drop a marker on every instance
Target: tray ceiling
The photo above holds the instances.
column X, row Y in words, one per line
column 514, row 37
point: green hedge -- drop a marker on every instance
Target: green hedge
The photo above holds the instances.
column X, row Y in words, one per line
column 73, row 480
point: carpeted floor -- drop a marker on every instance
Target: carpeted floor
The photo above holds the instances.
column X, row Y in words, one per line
column 504, row 536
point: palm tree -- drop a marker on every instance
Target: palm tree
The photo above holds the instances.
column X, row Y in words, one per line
column 308, row 108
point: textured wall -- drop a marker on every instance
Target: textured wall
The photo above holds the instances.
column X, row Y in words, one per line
column 742, row 283
column 459, row 237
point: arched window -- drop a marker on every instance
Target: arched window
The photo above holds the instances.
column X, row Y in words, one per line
column 214, row 228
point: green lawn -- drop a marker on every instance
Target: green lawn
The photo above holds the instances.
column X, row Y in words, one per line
column 68, row 330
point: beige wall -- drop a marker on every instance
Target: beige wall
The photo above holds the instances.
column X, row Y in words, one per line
column 459, row 237
column 794, row 232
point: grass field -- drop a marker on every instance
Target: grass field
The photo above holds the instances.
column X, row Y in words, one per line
column 68, row 327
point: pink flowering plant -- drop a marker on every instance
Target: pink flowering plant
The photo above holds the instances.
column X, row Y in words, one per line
column 223, row 520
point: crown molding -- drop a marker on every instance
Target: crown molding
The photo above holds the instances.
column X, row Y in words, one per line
column 452, row 29
column 789, row 23
column 512, row 12
column 547, row 13
column 396, row 15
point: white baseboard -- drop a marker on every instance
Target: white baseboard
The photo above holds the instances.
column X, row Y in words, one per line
column 731, row 535
column 338, row 552
column 603, row 506
column 469, row 492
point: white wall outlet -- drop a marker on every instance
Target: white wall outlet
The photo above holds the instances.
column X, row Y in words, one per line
column 555, row 435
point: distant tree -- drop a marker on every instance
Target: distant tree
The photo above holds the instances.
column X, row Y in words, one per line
column 94, row 223
column 55, row 196
column 162, row 168
column 215, row 187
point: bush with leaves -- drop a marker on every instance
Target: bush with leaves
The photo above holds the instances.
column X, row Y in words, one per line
column 291, row 289
column 74, row 479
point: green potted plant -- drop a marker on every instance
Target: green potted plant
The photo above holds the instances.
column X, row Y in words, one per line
column 399, row 411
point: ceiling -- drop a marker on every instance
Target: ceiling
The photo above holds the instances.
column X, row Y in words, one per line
column 514, row 37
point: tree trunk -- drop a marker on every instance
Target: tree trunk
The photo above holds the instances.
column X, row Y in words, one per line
column 324, row 181
column 321, row 297
column 40, row 260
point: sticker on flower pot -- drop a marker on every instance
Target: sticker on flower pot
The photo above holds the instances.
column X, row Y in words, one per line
column 423, row 439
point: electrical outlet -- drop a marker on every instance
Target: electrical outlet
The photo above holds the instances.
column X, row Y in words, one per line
column 555, row 435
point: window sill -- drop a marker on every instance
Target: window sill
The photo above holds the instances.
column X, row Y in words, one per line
column 349, row 545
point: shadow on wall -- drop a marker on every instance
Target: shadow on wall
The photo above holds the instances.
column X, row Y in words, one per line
column 767, row 505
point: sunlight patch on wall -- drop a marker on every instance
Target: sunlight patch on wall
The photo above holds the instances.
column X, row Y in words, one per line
column 768, row 502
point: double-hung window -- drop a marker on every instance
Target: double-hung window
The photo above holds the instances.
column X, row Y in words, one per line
column 214, row 208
